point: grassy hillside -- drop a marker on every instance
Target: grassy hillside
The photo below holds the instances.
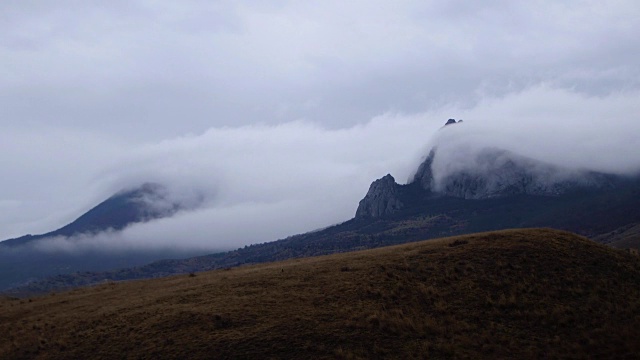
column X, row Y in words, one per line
column 515, row 293
column 624, row 237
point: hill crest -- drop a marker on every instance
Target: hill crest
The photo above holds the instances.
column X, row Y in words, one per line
column 528, row 293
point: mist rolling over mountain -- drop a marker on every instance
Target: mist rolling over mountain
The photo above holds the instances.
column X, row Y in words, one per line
column 314, row 176
column 145, row 203
column 92, row 241
column 491, row 189
column 258, row 150
column 471, row 171
column 288, row 110
column 268, row 163
column 229, row 188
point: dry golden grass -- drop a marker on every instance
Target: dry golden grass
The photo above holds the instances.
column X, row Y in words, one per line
column 508, row 294
column 627, row 237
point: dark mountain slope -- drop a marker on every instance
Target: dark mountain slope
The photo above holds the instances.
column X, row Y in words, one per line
column 521, row 294
column 492, row 174
column 590, row 214
column 144, row 203
column 624, row 237
column 21, row 261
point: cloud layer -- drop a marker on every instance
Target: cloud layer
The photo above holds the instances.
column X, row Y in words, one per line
column 264, row 182
column 559, row 127
column 281, row 113
column 275, row 179
column 151, row 70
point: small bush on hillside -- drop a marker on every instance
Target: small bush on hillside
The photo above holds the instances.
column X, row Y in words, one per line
column 458, row 243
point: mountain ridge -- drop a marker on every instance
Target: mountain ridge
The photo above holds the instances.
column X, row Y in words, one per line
column 589, row 214
column 489, row 173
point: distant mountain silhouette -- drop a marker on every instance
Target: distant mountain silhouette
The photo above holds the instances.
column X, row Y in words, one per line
column 21, row 263
column 146, row 202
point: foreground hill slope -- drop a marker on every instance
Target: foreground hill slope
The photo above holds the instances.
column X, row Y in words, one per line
column 529, row 293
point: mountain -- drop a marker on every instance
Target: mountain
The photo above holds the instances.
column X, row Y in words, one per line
column 496, row 173
column 521, row 294
column 19, row 256
column 146, row 202
column 495, row 189
column 502, row 190
column 608, row 213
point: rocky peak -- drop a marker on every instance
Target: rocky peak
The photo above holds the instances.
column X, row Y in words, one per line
column 483, row 174
column 424, row 175
column 495, row 173
column 381, row 199
column 452, row 121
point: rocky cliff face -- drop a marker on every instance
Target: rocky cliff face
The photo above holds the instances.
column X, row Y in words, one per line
column 496, row 173
column 490, row 173
column 382, row 199
column 424, row 175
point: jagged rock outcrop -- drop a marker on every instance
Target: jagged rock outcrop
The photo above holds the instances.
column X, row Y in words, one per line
column 381, row 199
column 485, row 174
column 424, row 175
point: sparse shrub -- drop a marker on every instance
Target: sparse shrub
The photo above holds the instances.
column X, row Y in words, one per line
column 458, row 243
column 192, row 274
column 221, row 322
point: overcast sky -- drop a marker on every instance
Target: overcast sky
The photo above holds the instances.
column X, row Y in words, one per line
column 283, row 112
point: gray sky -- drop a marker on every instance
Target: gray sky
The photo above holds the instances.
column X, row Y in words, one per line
column 284, row 112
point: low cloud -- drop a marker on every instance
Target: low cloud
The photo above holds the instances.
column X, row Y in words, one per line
column 263, row 182
column 149, row 70
column 256, row 183
column 556, row 126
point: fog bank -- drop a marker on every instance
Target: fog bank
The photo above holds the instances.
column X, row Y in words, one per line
column 263, row 182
